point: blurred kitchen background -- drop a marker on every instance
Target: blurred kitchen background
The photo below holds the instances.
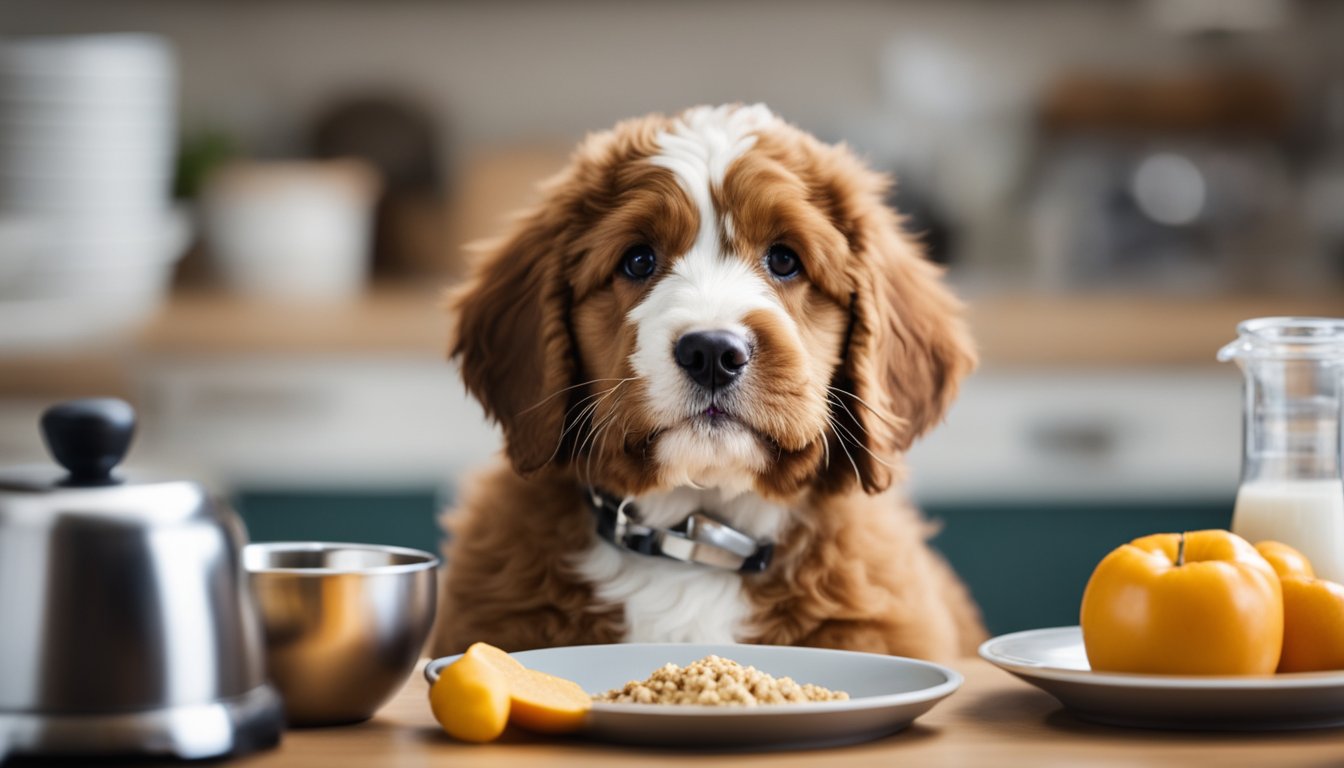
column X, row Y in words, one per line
column 239, row 216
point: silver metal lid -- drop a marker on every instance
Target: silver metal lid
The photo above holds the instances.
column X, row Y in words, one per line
column 88, row 439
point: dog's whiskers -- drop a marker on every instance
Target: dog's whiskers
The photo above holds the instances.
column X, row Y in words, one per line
column 826, row 450
column 559, row 392
column 599, row 441
column 843, row 431
column 895, row 422
column 583, row 404
column 585, row 413
column 590, row 439
column 853, row 418
column 862, row 431
column 598, row 393
column 599, row 433
column 858, row 477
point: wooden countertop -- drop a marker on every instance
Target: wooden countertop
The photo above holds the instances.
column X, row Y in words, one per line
column 1011, row 331
column 1018, row 329
column 994, row 719
column 389, row 318
column 1122, row 330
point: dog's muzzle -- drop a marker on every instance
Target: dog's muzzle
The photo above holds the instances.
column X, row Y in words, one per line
column 700, row 538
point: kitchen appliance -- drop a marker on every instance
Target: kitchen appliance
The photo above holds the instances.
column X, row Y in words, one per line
column 344, row 623
column 127, row 628
column 1291, row 489
column 1178, row 182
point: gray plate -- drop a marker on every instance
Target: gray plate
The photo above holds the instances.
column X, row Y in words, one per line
column 1054, row 661
column 886, row 694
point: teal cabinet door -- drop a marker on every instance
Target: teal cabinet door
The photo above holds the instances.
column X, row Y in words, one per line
column 1027, row 564
column 402, row 518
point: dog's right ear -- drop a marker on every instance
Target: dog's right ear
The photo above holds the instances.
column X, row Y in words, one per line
column 511, row 337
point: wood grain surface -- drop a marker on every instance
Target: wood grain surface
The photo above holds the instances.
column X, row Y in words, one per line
column 1075, row 331
column 994, row 720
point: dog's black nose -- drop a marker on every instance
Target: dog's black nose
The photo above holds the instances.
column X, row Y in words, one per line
column 713, row 359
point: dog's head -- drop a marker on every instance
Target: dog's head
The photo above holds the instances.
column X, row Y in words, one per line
column 713, row 299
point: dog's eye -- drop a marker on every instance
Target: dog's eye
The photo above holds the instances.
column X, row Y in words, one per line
column 782, row 261
column 638, row 262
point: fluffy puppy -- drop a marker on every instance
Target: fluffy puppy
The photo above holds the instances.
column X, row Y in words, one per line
column 712, row 312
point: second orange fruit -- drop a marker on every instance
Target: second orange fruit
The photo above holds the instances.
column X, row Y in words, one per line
column 1313, row 612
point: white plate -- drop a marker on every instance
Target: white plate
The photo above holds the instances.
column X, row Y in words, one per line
column 1054, row 661
column 886, row 694
column 45, row 325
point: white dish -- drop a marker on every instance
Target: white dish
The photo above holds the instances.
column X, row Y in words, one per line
column 1054, row 661
column 886, row 694
column 20, row 238
column 19, row 114
column 84, row 284
column 114, row 58
column 82, row 95
column 43, row 325
column 131, row 195
column 48, row 168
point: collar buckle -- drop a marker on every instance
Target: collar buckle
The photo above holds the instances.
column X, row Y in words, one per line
column 700, row 538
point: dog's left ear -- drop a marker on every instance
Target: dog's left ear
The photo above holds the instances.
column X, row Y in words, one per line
column 908, row 344
column 512, row 340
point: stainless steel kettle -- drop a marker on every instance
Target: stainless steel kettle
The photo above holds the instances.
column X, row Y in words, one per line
column 126, row 623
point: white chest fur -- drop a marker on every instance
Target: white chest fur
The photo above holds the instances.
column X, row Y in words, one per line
column 666, row 601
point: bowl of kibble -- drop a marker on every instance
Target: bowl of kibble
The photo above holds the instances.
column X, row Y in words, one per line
column 739, row 696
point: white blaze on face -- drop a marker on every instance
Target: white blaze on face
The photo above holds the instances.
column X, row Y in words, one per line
column 706, row 289
column 698, row 150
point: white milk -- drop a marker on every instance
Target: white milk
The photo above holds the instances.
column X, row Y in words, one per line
column 1306, row 514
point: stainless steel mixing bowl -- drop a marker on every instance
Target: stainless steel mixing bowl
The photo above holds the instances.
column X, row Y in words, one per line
column 344, row 623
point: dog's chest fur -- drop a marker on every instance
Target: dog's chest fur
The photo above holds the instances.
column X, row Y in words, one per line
column 669, row 601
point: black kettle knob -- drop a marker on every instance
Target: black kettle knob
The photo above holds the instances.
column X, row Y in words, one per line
column 89, row 437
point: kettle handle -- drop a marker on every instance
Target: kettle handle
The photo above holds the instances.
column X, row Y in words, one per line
column 89, row 437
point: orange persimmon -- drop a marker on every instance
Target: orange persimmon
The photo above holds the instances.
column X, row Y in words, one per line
column 1313, row 625
column 1313, row 612
column 1285, row 560
column 1198, row 603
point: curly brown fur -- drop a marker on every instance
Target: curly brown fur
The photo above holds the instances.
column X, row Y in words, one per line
column 850, row 364
column 512, row 589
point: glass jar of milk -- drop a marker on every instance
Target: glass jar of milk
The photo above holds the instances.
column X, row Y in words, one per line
column 1291, row 489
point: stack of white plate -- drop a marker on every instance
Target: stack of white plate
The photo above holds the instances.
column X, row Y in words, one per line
column 88, row 235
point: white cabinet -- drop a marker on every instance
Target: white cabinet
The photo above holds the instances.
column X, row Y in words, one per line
column 404, row 421
column 1156, row 434
column 365, row 422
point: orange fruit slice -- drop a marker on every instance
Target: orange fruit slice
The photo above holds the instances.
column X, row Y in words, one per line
column 471, row 700
column 538, row 701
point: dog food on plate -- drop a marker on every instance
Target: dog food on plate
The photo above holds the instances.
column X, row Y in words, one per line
column 716, row 681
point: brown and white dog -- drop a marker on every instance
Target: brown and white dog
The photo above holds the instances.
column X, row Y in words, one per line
column 714, row 313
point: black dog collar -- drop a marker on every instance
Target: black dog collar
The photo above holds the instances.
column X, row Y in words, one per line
column 700, row 538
